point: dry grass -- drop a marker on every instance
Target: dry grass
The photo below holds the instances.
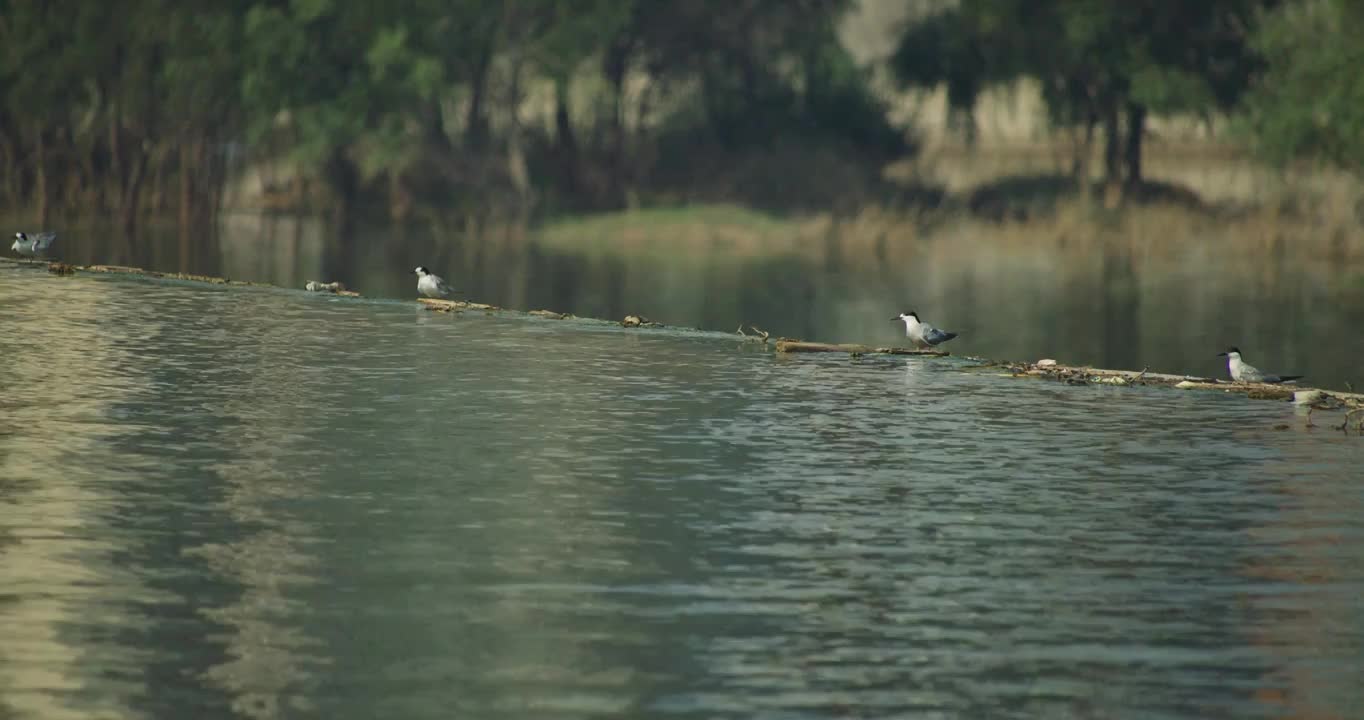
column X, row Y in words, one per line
column 1160, row 228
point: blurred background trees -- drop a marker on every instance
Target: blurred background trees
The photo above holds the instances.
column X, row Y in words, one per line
column 146, row 106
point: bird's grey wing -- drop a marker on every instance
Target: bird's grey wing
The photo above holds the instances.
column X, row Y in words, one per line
column 42, row 240
column 1250, row 373
column 935, row 335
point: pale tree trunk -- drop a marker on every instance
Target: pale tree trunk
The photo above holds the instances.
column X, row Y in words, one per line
column 40, row 181
column 516, row 158
column 132, row 195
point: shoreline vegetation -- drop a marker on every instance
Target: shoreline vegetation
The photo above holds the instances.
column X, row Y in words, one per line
column 486, row 113
column 1312, row 398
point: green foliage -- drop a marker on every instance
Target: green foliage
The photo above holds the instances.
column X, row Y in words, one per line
column 1309, row 104
column 101, row 98
column 1168, row 56
column 1097, row 62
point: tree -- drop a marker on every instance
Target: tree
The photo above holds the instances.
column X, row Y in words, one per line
column 1309, row 102
column 1098, row 62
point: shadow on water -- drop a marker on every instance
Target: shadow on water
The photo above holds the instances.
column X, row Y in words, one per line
column 1082, row 300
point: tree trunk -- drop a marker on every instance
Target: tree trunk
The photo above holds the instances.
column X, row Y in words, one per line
column 516, row 157
column 618, row 64
column 1084, row 158
column 93, row 193
column 115, row 183
column 132, row 195
column 40, row 180
column 476, row 123
column 185, row 204
column 1112, row 154
column 11, row 170
column 1136, row 129
column 156, row 202
column 345, row 186
column 565, row 140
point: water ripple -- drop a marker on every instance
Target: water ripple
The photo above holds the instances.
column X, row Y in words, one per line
column 265, row 504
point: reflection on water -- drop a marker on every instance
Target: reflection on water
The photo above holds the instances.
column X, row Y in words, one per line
column 263, row 503
column 1163, row 304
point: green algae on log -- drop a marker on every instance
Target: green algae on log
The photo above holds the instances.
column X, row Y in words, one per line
column 800, row 346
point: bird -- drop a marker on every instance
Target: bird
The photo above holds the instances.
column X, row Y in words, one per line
column 35, row 245
column 921, row 333
column 431, row 285
column 1241, row 372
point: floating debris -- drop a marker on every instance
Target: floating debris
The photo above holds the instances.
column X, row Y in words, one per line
column 550, row 314
column 631, row 321
column 58, row 268
column 316, row 286
column 762, row 335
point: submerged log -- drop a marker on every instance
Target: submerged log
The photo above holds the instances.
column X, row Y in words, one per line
column 800, row 346
column 440, row 305
column 1047, row 369
column 1256, row 391
column 126, row 270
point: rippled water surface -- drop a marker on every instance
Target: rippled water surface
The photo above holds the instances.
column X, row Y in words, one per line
column 263, row 503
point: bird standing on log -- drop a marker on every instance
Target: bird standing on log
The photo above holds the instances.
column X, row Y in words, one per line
column 921, row 333
column 1242, row 372
column 432, row 286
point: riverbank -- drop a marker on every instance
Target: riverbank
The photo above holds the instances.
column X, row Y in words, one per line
column 1048, row 369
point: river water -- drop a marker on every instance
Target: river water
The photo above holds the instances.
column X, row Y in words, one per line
column 262, row 503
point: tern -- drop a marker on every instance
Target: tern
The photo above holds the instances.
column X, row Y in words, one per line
column 35, row 245
column 921, row 333
column 1241, row 372
column 432, row 286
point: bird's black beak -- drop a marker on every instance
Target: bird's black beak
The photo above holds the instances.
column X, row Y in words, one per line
column 897, row 317
column 1221, row 354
